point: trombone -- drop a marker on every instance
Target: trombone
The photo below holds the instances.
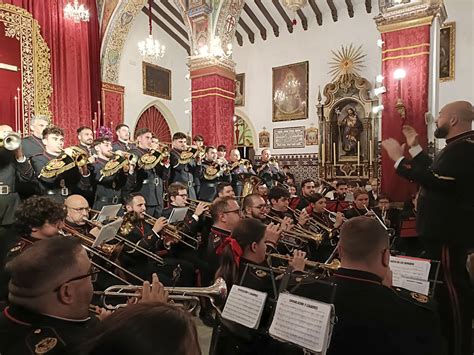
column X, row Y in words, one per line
column 173, row 232
column 334, row 265
column 314, row 223
column 299, row 233
column 185, row 295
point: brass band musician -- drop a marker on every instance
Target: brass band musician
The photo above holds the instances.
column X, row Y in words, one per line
column 212, row 173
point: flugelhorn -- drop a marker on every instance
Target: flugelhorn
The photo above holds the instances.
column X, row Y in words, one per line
column 176, row 294
column 10, row 140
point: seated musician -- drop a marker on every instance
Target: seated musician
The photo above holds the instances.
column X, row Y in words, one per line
column 308, row 188
column 269, row 170
column 325, row 225
column 361, row 203
column 279, row 197
column 212, row 173
column 337, row 198
column 37, row 218
column 351, row 187
column 224, row 189
column 390, row 216
column 152, row 238
column 254, row 206
column 123, row 139
column 409, row 242
column 78, row 210
column 262, row 190
column 111, row 186
column 65, row 183
column 247, row 245
column 372, row 316
column 293, row 193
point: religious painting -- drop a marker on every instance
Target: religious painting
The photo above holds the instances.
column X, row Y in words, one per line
column 264, row 139
column 311, row 136
column 447, row 48
column 240, row 89
column 289, row 137
column 242, row 133
column 290, row 92
column 348, row 117
column 156, row 81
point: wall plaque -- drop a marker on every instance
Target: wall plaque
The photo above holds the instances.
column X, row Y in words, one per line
column 290, row 137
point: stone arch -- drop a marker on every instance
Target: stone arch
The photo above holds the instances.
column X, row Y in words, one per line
column 165, row 112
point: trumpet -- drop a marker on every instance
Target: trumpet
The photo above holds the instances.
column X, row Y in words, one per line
column 173, row 232
column 334, row 265
column 299, row 233
column 185, row 295
column 10, row 140
column 192, row 204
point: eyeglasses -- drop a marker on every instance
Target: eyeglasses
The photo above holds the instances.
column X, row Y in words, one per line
column 232, row 211
column 80, row 209
column 260, row 207
column 93, row 273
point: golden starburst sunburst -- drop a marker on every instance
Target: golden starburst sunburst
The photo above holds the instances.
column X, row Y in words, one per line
column 346, row 63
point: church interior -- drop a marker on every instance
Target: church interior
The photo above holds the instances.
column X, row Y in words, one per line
column 345, row 96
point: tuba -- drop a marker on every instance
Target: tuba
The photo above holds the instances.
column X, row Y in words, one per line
column 10, row 140
column 250, row 182
column 71, row 157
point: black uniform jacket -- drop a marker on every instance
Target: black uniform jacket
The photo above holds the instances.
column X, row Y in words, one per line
column 187, row 174
column 23, row 332
column 208, row 189
column 446, row 199
column 375, row 319
column 32, row 146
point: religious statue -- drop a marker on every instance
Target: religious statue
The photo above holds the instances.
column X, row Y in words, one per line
column 350, row 129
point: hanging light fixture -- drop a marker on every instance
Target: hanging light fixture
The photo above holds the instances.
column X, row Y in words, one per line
column 76, row 12
column 150, row 49
column 294, row 6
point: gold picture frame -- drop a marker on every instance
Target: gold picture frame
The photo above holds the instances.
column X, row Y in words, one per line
column 240, row 90
column 290, row 92
column 156, row 81
column 447, row 52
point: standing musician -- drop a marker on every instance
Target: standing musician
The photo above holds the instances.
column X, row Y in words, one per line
column 221, row 153
column 14, row 167
column 373, row 317
column 198, row 142
column 212, row 172
column 239, row 166
column 86, row 138
column 114, row 174
column 254, row 206
column 269, row 170
column 445, row 204
column 248, row 245
column 185, row 166
column 361, row 203
column 123, row 139
column 33, row 144
column 150, row 180
column 60, row 183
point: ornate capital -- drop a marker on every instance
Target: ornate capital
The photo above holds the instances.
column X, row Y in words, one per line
column 199, row 66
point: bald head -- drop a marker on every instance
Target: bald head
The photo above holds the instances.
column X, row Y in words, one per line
column 463, row 110
column 76, row 201
column 455, row 118
column 5, row 128
column 77, row 209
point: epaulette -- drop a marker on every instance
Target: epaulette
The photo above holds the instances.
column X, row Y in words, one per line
column 470, row 140
column 17, row 249
column 415, row 298
column 258, row 273
column 45, row 340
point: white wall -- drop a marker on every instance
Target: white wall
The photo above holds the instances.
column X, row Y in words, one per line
column 130, row 76
column 314, row 45
column 462, row 88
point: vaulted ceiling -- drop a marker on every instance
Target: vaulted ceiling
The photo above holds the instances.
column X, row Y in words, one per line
column 262, row 18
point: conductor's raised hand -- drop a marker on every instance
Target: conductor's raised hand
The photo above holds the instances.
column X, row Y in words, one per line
column 393, row 148
column 411, row 136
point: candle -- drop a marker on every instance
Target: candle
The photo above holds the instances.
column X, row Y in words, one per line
column 323, row 154
column 371, row 153
column 334, row 152
column 358, row 152
column 18, row 102
column 98, row 112
column 16, row 113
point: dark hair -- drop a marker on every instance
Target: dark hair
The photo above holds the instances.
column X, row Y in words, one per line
column 246, row 232
column 306, row 181
column 314, row 197
column 129, row 199
column 174, row 188
column 100, row 140
column 145, row 328
column 340, row 183
column 35, row 211
column 208, row 148
column 141, row 131
column 198, row 138
column 359, row 192
column 249, row 200
column 383, row 197
column 179, row 135
column 120, row 126
column 352, row 184
column 82, row 128
column 221, row 148
column 277, row 192
column 361, row 237
column 31, row 271
column 285, row 167
column 221, row 186
column 219, row 205
column 52, row 130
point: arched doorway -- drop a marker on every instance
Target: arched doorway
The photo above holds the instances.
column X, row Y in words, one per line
column 152, row 119
column 243, row 137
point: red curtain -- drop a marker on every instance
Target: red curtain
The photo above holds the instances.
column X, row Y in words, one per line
column 155, row 121
column 407, row 49
column 75, row 61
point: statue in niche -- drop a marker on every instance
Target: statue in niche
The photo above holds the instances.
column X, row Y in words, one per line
column 350, row 130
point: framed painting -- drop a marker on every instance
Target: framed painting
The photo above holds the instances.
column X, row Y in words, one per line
column 240, row 89
column 156, row 81
column 447, row 49
column 290, row 92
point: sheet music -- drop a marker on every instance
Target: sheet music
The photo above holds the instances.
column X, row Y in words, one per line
column 108, row 232
column 302, row 321
column 244, row 306
column 410, row 273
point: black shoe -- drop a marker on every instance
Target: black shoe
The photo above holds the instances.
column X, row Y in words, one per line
column 208, row 319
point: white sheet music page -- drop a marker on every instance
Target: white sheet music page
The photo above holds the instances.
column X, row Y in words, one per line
column 302, row 321
column 244, row 306
column 410, row 273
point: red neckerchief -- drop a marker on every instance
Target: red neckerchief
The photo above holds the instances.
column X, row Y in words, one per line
column 141, row 228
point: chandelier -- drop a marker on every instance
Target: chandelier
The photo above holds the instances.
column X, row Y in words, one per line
column 76, row 12
column 294, row 6
column 215, row 50
column 150, row 49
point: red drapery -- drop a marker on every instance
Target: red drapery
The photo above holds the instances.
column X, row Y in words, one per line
column 75, row 61
column 407, row 49
column 155, row 121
